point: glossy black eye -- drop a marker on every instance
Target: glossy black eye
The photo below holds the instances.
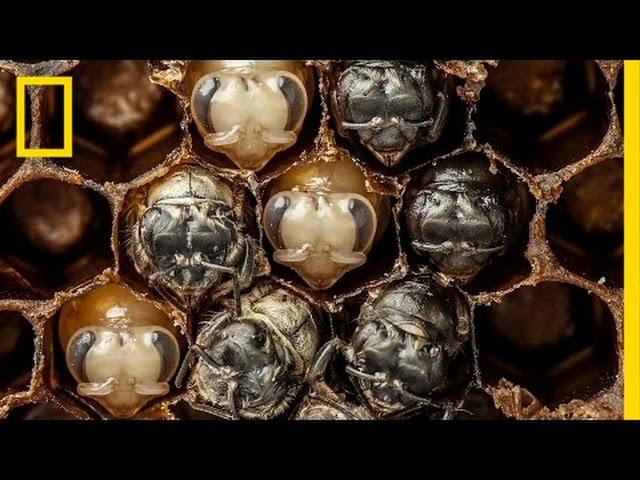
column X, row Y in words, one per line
column 408, row 107
column 77, row 350
column 203, row 92
column 364, row 108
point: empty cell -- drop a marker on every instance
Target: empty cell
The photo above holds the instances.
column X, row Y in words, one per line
column 585, row 226
column 544, row 114
column 556, row 340
column 55, row 234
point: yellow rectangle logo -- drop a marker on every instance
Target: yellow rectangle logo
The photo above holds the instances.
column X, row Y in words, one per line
column 22, row 151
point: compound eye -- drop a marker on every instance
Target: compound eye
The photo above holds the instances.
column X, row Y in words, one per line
column 366, row 222
column 154, row 220
column 79, row 345
column 201, row 98
column 273, row 214
column 167, row 347
column 408, row 107
column 364, row 108
column 296, row 97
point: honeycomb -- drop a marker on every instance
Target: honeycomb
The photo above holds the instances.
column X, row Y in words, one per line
column 546, row 317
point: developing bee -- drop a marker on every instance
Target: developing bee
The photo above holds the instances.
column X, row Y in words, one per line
column 322, row 221
column 390, row 107
column 252, row 363
column 187, row 232
column 250, row 109
column 120, row 350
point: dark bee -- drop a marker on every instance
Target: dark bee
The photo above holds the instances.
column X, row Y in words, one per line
column 188, row 232
column 252, row 364
column 401, row 351
column 461, row 215
column 390, row 106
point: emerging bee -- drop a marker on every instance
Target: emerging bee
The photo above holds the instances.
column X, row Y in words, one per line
column 252, row 364
column 187, row 231
column 403, row 347
column 461, row 215
column 390, row 107
column 250, row 109
column 322, row 221
column 120, row 350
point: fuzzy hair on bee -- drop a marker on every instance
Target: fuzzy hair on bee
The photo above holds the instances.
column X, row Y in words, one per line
column 402, row 349
column 253, row 365
column 187, row 234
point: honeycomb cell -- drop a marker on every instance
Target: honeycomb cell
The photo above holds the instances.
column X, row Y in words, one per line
column 585, row 227
column 322, row 222
column 114, row 350
column 55, row 234
column 123, row 124
column 544, row 114
column 188, row 233
column 396, row 114
column 467, row 220
column 16, row 352
column 184, row 411
column 554, row 339
column 247, row 113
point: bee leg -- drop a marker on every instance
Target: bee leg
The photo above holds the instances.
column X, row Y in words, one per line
column 236, row 282
column 440, row 118
column 323, row 357
column 191, row 353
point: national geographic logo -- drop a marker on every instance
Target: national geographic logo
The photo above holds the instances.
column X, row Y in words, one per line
column 21, row 148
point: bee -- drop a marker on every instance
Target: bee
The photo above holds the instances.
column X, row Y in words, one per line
column 403, row 347
column 390, row 107
column 461, row 215
column 252, row 364
column 322, row 221
column 187, row 232
column 250, row 109
column 121, row 351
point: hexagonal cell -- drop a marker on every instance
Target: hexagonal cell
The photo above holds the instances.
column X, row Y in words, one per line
column 123, row 124
column 185, row 233
column 469, row 221
column 326, row 231
column 544, row 114
column 16, row 352
column 585, row 227
column 395, row 315
column 55, row 234
column 402, row 89
column 287, row 90
column 112, row 352
column 556, row 340
column 40, row 411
